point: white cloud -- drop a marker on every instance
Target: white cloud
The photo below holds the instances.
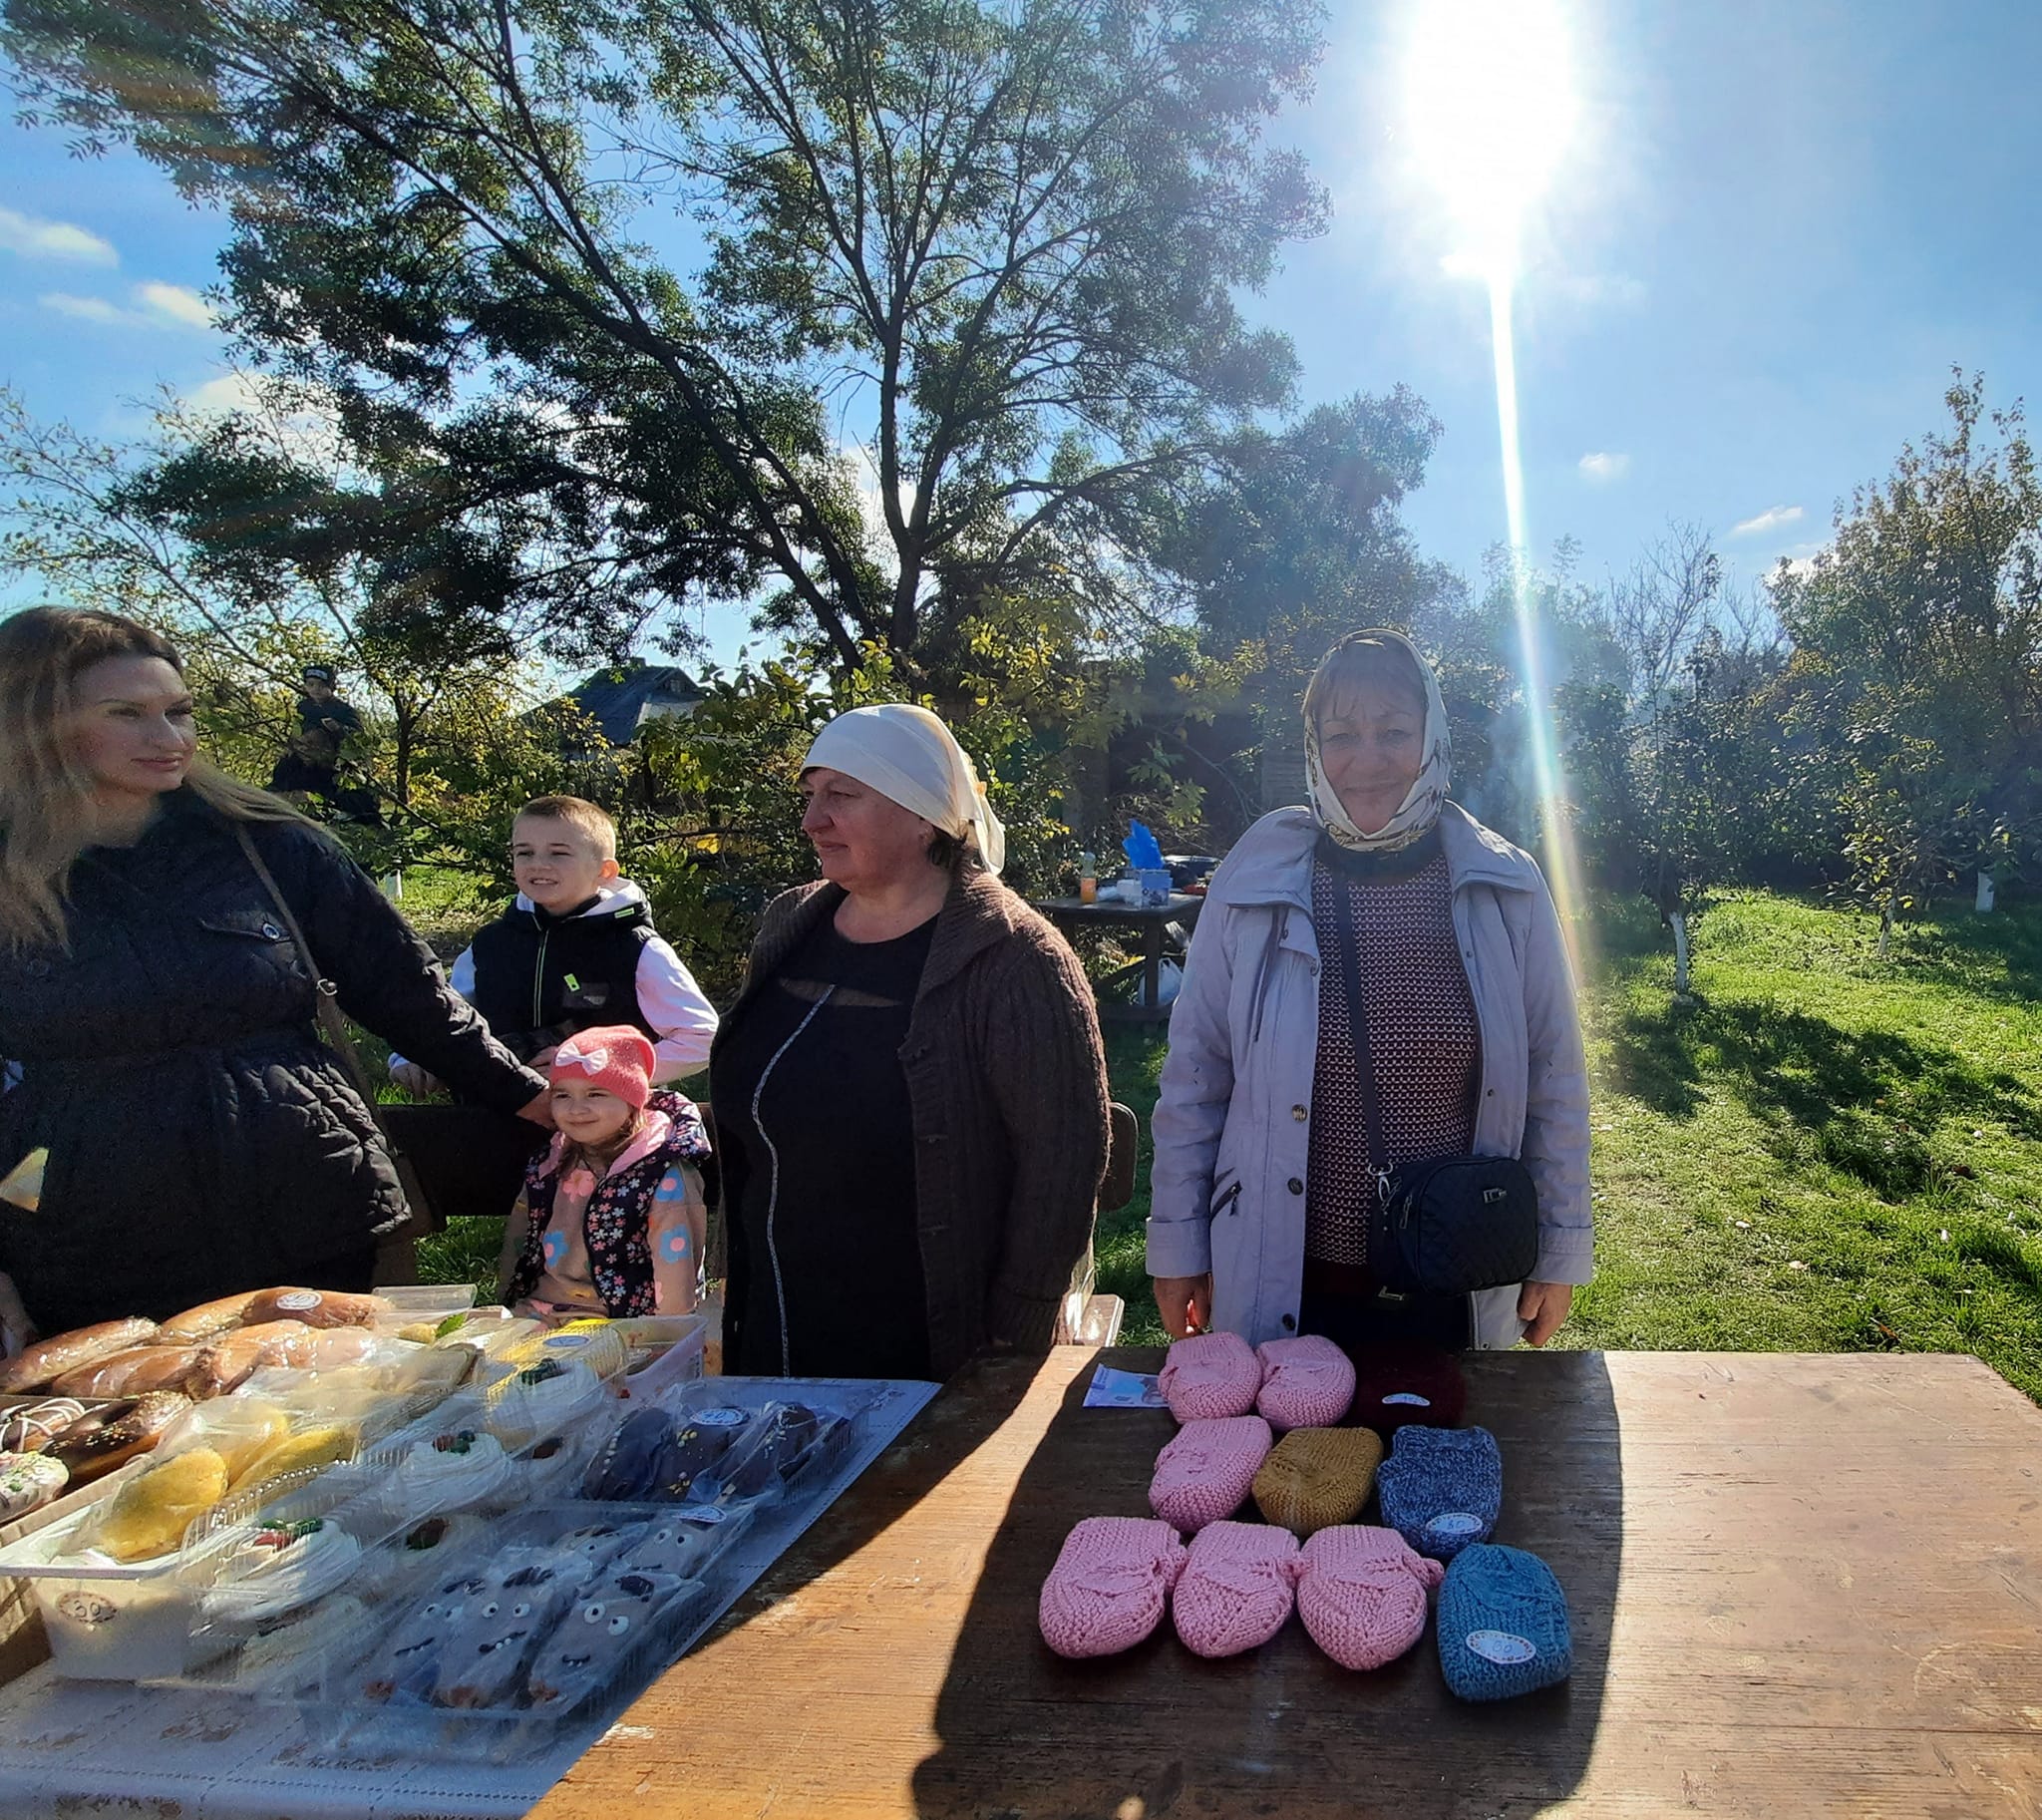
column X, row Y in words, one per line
column 1772, row 519
column 85, row 309
column 175, row 301
column 158, row 305
column 300, row 420
column 35, row 238
column 1602, row 467
column 228, row 392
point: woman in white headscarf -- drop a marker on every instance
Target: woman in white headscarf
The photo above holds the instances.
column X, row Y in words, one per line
column 909, row 1093
column 1469, row 1040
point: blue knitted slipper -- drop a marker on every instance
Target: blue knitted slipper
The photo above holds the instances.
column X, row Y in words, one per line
column 1502, row 1624
column 1441, row 1488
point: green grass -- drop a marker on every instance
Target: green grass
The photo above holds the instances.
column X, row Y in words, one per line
column 1822, row 1152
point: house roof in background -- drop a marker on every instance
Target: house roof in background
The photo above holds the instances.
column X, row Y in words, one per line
column 623, row 698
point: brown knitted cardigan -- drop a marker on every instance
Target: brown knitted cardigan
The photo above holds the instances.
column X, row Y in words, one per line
column 1006, row 1082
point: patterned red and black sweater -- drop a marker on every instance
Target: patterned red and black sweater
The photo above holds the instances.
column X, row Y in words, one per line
column 1396, row 910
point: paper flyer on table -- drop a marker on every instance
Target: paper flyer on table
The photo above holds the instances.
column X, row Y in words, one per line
column 1113, row 1389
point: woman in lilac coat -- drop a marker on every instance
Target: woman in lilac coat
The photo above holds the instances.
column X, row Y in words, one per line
column 1262, row 1180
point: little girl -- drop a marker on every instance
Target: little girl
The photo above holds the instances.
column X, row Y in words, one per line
column 612, row 1218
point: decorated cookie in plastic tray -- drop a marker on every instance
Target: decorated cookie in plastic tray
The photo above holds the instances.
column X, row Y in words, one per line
column 713, row 1445
column 556, row 1605
column 562, row 1612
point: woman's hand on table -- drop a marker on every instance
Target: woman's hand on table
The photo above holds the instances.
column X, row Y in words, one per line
column 1184, row 1302
column 1544, row 1306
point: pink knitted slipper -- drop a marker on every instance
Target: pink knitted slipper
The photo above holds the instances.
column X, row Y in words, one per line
column 1208, row 1375
column 1307, row 1382
column 1237, row 1588
column 1106, row 1590
column 1361, row 1592
column 1207, row 1471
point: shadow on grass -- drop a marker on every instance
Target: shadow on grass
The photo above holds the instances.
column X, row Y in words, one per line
column 1995, row 956
column 1861, row 1099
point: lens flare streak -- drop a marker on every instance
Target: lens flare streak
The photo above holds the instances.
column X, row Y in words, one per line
column 1562, row 868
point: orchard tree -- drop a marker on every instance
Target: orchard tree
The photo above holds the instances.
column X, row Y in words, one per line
column 1918, row 639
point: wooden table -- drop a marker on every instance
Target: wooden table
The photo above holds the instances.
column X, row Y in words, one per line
column 1151, row 922
column 1799, row 1585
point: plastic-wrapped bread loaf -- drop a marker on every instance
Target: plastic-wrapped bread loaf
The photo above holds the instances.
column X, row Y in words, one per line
column 131, row 1373
column 314, row 1307
column 51, row 1358
column 235, row 1356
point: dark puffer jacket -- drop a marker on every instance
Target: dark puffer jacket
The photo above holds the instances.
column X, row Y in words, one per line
column 201, row 1139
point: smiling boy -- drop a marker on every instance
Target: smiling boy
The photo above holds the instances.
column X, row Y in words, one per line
column 577, row 949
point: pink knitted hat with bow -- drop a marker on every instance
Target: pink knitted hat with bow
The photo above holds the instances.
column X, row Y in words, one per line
column 1307, row 1382
column 1237, row 1588
column 1361, row 1593
column 1208, row 1375
column 613, row 1057
column 1208, row 1472
column 1108, row 1588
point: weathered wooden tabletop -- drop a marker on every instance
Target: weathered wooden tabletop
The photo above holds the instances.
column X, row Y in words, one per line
column 1800, row 1586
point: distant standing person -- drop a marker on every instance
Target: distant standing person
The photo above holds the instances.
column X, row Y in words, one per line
column 310, row 765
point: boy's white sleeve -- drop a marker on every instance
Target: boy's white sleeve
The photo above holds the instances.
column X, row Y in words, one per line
column 676, row 1007
column 462, row 980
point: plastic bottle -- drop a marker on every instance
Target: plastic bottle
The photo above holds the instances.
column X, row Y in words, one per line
column 1087, row 879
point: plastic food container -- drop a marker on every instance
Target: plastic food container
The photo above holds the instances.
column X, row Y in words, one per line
column 661, row 1351
column 242, row 1584
column 424, row 1300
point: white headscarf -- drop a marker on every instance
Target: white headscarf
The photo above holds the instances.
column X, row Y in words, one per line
column 909, row 757
column 1420, row 809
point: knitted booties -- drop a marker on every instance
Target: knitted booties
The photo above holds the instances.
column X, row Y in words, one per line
column 1106, row 1590
column 1237, row 1588
column 1318, row 1477
column 1502, row 1624
column 1208, row 1375
column 1395, row 1384
column 1306, row 1383
column 1442, row 1489
column 1361, row 1592
column 1207, row 1471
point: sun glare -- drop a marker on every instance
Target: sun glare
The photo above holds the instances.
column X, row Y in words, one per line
column 1490, row 96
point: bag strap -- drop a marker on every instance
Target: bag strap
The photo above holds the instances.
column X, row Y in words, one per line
column 1364, row 1057
column 326, row 995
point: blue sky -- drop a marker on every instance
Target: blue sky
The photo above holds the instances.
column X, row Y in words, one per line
column 1775, row 230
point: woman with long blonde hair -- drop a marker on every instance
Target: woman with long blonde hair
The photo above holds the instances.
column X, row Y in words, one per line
column 199, row 1137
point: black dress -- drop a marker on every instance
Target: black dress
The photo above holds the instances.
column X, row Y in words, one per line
column 810, row 1095
column 201, row 1139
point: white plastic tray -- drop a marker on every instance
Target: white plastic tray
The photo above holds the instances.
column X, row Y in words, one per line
column 65, row 1745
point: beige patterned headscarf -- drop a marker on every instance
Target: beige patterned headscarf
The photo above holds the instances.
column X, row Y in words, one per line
column 1420, row 809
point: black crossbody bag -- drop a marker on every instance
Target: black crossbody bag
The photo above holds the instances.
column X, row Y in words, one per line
column 1449, row 1225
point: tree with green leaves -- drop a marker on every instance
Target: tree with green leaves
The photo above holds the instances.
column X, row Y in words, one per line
column 1918, row 653
column 615, row 264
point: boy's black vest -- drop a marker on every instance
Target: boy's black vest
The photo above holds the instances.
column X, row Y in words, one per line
column 540, row 979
